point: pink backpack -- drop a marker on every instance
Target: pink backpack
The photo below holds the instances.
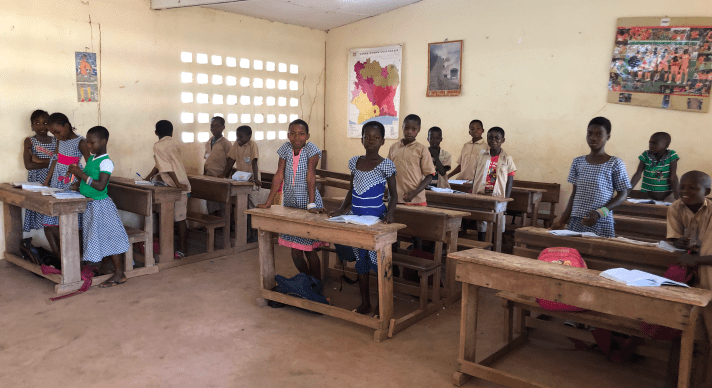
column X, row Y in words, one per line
column 562, row 256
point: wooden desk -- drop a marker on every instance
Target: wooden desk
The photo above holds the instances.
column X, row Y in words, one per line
column 669, row 306
column 240, row 192
column 481, row 208
column 551, row 194
column 642, row 210
column 279, row 219
column 599, row 253
column 431, row 224
column 165, row 198
column 526, row 201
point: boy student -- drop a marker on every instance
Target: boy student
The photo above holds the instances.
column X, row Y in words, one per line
column 216, row 150
column 243, row 155
column 441, row 158
column 413, row 163
column 494, row 172
column 658, row 166
column 170, row 170
column 470, row 152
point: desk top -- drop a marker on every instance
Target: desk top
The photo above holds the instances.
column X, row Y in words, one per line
column 160, row 193
column 232, row 182
column 289, row 214
column 45, row 204
column 401, row 208
column 642, row 209
column 689, row 296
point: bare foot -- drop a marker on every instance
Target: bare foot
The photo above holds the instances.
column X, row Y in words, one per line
column 364, row 308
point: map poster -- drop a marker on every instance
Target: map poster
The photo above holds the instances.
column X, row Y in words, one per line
column 87, row 82
column 374, row 88
column 662, row 63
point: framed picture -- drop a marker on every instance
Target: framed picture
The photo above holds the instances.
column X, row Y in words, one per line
column 444, row 69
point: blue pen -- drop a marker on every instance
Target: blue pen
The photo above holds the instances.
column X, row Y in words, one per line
column 139, row 176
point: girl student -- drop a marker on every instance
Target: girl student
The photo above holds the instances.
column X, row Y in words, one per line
column 369, row 175
column 37, row 153
column 297, row 171
column 600, row 184
column 104, row 234
column 70, row 150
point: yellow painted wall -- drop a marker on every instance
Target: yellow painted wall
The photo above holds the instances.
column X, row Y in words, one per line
column 140, row 67
column 538, row 69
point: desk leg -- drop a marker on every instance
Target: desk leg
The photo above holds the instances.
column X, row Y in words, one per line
column 69, row 247
column 451, row 291
column 385, row 292
column 12, row 217
column 166, row 219
column 497, row 227
column 688, row 339
column 535, row 215
column 468, row 330
column 267, row 270
column 241, row 219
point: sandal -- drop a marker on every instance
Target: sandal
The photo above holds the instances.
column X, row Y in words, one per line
column 111, row 283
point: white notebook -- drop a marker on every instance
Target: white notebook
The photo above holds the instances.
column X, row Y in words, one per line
column 458, row 181
column 67, row 195
column 357, row 220
column 638, row 278
column 241, row 176
column 571, row 233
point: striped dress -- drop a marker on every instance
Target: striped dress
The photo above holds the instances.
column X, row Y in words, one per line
column 656, row 174
column 33, row 220
column 67, row 153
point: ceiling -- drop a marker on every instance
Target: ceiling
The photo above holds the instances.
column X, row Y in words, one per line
column 318, row 14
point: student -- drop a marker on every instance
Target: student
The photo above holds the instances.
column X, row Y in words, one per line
column 494, row 172
column 216, row 159
column 369, row 175
column 600, row 184
column 170, row 170
column 37, row 153
column 441, row 158
column 470, row 152
column 299, row 192
column 414, row 164
column 70, row 149
column 689, row 227
column 245, row 153
column 104, row 234
column 658, row 167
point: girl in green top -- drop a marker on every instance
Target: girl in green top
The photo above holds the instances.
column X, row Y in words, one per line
column 104, row 234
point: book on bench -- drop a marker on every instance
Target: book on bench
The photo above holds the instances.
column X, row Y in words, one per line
column 357, row 220
column 638, row 278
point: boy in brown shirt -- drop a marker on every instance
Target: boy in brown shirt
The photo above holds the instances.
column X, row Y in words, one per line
column 243, row 155
column 470, row 152
column 216, row 150
column 414, row 164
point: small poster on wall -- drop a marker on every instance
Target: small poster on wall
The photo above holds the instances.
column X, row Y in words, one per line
column 87, row 80
column 662, row 63
column 444, row 69
column 374, row 89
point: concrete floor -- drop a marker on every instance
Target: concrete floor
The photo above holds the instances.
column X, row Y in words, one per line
column 198, row 326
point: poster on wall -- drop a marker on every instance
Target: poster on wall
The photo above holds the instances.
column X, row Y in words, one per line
column 87, row 81
column 662, row 63
column 444, row 69
column 374, row 88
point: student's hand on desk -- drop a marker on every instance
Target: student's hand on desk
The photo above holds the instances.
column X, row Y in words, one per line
column 389, row 218
column 408, row 196
column 592, row 218
column 558, row 224
column 264, row 206
column 317, row 210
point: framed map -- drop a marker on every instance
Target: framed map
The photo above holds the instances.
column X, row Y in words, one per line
column 662, row 63
column 444, row 69
column 374, row 89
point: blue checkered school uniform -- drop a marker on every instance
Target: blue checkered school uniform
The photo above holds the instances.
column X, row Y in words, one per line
column 33, row 220
column 104, row 234
column 67, row 153
column 595, row 184
column 367, row 200
column 294, row 191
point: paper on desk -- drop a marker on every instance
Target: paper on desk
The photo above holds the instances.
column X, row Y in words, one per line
column 649, row 201
column 442, row 190
column 668, row 247
column 636, row 242
column 143, row 182
column 357, row 220
column 571, row 233
column 241, row 176
column 459, row 181
column 638, row 278
column 67, row 195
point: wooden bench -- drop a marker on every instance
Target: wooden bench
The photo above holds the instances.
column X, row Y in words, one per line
column 550, row 196
column 217, row 191
column 465, row 244
column 642, row 210
column 139, row 202
column 640, row 228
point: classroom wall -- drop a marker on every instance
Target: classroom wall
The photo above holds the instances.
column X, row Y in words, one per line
column 538, row 69
column 139, row 56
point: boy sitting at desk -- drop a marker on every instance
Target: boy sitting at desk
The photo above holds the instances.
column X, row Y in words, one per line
column 170, row 170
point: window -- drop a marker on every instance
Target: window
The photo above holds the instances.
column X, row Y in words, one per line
column 282, row 84
column 186, row 57
column 282, row 118
column 270, row 83
column 231, row 99
column 257, row 83
column 231, row 136
column 217, row 79
column 294, row 69
column 293, row 85
column 257, row 64
column 216, row 60
column 244, row 82
column 202, row 98
column 201, row 58
column 259, row 119
column 203, row 118
column 232, row 118
column 293, row 102
column 244, row 100
column 270, row 66
column 186, row 117
column 230, row 80
column 257, row 101
column 186, row 78
column 244, row 63
column 230, row 62
column 245, row 118
column 271, row 135
column 187, row 137
column 217, row 99
column 186, row 97
column 270, row 101
column 259, row 135
column 282, row 135
column 271, row 119
column 293, row 117
column 203, row 137
column 282, row 101
column 202, row 78
column 282, row 67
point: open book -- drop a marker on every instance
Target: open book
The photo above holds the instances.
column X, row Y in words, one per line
column 638, row 278
column 68, row 194
column 458, row 181
column 357, row 220
column 241, row 176
column 571, row 233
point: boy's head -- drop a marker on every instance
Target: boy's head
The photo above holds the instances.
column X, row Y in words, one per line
column 435, row 136
column 476, row 130
column 373, row 135
column 659, row 142
column 244, row 134
column 164, row 128
column 694, row 187
column 495, row 138
column 97, row 137
column 217, row 126
column 411, row 127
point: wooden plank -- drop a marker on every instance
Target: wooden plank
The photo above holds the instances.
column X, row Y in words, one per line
column 651, row 229
column 642, row 210
column 65, row 288
column 45, row 204
column 166, row 218
column 34, row 268
column 496, row 376
column 130, row 199
column 69, row 247
column 385, row 291
column 552, row 190
column 219, row 254
column 240, row 217
column 12, row 225
column 210, row 190
column 333, row 174
column 161, row 194
column 266, row 255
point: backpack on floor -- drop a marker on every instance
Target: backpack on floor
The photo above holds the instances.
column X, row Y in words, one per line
column 561, row 256
column 302, row 285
